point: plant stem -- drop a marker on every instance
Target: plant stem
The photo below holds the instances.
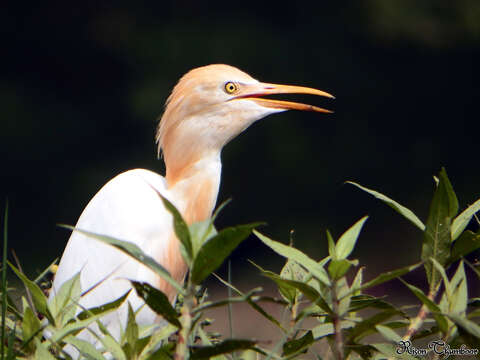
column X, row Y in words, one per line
column 181, row 351
column 416, row 323
column 337, row 325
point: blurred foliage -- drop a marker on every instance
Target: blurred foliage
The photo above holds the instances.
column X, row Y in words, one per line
column 83, row 84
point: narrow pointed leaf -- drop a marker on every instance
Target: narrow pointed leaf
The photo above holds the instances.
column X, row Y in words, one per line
column 42, row 351
column 308, row 291
column 360, row 302
column 467, row 325
column 73, row 328
column 297, row 345
column 224, row 347
column 388, row 333
column 357, row 282
column 436, row 312
column 113, row 305
column 180, row 226
column 461, row 221
column 63, row 305
column 437, row 235
column 366, row 326
column 85, row 348
column 30, row 326
column 332, row 251
column 464, row 245
column 291, row 271
column 157, row 301
column 326, row 329
column 347, row 241
column 441, row 270
column 460, row 292
column 38, row 297
column 112, row 346
column 387, row 276
column 201, row 232
column 294, row 254
column 131, row 331
column 338, row 268
column 407, row 213
column 391, row 351
column 212, row 254
column 135, row 252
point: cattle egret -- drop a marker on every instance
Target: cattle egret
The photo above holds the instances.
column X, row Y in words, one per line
column 208, row 107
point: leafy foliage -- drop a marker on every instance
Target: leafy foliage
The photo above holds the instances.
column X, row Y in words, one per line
column 340, row 314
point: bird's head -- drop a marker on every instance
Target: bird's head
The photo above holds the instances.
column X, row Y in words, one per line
column 212, row 104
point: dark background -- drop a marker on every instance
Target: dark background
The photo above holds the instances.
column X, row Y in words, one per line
column 83, row 84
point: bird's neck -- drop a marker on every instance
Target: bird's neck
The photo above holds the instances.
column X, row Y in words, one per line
column 195, row 184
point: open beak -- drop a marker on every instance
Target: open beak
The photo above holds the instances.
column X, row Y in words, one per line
column 255, row 92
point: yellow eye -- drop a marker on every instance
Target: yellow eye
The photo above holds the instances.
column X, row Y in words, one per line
column 230, row 87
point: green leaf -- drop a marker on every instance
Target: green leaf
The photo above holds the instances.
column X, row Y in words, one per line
column 402, row 210
column 158, row 337
column 38, row 297
column 30, row 326
column 42, row 351
column 201, row 232
column 391, row 351
column 63, row 305
column 364, row 301
column 467, row 325
column 346, row 243
column 357, row 282
column 224, row 347
column 388, row 333
column 461, row 221
column 294, row 254
column 135, row 252
column 113, row 347
column 332, row 251
column 365, row 327
column 308, row 291
column 85, row 348
column 212, row 254
column 326, row 329
column 291, row 271
column 338, row 268
column 105, row 308
column 72, row 328
column 441, row 270
column 460, row 292
column 157, row 301
column 131, row 332
column 436, row 312
column 437, row 235
column 389, row 275
column 298, row 345
column 464, row 245
column 180, row 227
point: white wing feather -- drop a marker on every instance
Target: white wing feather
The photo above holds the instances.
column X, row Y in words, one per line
column 127, row 208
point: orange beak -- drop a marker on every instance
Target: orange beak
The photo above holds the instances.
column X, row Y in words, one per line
column 255, row 92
